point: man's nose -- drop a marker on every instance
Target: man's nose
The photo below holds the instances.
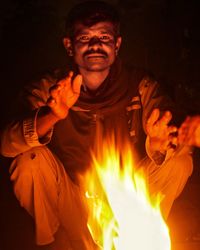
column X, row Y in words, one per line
column 95, row 41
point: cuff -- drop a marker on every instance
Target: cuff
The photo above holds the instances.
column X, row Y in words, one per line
column 30, row 133
column 158, row 157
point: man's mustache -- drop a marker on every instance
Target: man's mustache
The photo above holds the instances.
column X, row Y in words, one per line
column 92, row 51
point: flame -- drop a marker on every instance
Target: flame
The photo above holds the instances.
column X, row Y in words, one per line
column 122, row 215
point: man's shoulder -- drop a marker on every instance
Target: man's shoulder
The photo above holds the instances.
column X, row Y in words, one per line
column 135, row 75
column 51, row 75
column 45, row 79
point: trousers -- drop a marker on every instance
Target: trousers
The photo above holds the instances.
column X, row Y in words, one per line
column 44, row 189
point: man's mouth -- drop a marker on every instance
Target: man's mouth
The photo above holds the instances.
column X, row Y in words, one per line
column 95, row 55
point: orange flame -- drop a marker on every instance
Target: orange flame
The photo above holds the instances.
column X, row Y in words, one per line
column 121, row 213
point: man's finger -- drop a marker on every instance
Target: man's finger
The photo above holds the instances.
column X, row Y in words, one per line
column 153, row 117
column 71, row 73
column 76, row 86
column 166, row 118
column 54, row 91
column 173, row 140
column 183, row 131
column 51, row 102
column 66, row 82
column 173, row 130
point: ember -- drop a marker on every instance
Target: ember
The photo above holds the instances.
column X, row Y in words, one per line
column 121, row 213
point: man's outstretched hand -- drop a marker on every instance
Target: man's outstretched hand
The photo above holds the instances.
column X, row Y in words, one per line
column 64, row 94
column 161, row 135
column 189, row 131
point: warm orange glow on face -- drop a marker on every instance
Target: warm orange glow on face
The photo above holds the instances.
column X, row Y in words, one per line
column 121, row 214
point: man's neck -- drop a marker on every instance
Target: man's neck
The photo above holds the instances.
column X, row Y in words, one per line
column 93, row 79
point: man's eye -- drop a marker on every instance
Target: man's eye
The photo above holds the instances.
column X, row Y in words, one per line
column 83, row 39
column 105, row 38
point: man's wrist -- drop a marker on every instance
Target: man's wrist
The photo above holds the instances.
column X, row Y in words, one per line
column 46, row 119
column 52, row 116
column 159, row 157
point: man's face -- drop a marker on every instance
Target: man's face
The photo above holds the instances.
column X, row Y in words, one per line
column 95, row 48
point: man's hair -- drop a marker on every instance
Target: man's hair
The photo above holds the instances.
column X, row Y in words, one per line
column 89, row 13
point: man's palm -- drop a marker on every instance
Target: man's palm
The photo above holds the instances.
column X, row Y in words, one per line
column 64, row 94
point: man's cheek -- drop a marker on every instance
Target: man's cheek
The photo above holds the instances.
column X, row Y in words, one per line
column 79, row 45
column 110, row 44
column 79, row 51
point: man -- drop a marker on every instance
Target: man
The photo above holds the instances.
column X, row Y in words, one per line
column 63, row 116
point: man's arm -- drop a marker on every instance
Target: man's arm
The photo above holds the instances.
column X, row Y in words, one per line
column 62, row 97
column 161, row 137
column 47, row 106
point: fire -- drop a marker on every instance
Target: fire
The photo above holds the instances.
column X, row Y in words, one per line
column 122, row 216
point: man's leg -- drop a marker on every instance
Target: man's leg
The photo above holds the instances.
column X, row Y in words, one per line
column 43, row 188
column 170, row 178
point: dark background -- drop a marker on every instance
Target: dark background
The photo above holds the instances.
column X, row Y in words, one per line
column 162, row 36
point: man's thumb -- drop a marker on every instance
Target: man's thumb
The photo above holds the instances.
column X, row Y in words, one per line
column 77, row 82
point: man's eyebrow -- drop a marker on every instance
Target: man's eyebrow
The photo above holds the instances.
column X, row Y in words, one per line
column 108, row 31
column 101, row 30
column 81, row 32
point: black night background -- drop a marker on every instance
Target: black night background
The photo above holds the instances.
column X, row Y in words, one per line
column 162, row 36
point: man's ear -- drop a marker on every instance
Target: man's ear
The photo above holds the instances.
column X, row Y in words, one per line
column 118, row 44
column 68, row 46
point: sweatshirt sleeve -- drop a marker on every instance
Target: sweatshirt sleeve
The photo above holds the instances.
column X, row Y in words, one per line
column 152, row 96
column 20, row 134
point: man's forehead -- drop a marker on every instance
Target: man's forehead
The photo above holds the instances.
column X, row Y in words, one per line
column 102, row 27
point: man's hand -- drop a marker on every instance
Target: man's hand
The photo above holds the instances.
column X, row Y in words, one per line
column 189, row 132
column 64, row 94
column 161, row 135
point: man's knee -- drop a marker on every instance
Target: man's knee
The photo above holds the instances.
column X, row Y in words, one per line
column 25, row 164
column 26, row 171
column 172, row 176
column 181, row 166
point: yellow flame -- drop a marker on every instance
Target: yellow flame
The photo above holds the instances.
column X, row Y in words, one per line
column 122, row 215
